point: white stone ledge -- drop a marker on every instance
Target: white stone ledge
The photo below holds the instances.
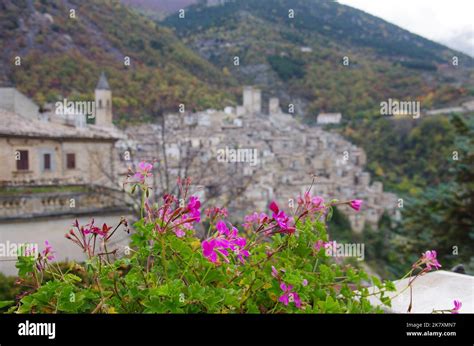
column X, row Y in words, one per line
column 435, row 290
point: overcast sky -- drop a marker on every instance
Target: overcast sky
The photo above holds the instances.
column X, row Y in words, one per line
column 445, row 21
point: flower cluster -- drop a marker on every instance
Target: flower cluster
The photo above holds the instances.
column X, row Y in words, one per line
column 279, row 222
column 311, row 204
column 223, row 243
column 253, row 221
column 85, row 236
column 171, row 217
column 428, row 259
column 46, row 255
column 48, row 252
column 143, row 172
column 288, row 295
column 215, row 213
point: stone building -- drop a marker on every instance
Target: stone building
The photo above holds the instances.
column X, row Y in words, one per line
column 56, row 147
column 57, row 167
column 329, row 118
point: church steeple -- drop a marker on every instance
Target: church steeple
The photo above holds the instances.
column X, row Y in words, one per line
column 103, row 102
column 102, row 84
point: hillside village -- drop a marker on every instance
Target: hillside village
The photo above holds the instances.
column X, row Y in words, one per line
column 242, row 158
column 238, row 157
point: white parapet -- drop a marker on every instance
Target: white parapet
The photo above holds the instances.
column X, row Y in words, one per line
column 433, row 291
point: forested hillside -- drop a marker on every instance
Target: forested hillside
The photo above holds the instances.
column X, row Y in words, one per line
column 301, row 57
column 62, row 56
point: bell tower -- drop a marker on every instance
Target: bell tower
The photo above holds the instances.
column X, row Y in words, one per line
column 103, row 102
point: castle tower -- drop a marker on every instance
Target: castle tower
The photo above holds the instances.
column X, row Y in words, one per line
column 257, row 101
column 274, row 106
column 103, row 102
column 252, row 100
column 248, row 98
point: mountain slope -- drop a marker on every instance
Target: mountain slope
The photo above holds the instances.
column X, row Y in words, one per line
column 63, row 56
column 302, row 57
column 158, row 9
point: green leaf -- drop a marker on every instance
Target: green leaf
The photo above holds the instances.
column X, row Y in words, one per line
column 25, row 265
column 5, row 303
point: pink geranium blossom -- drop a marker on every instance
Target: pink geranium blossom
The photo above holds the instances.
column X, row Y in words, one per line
column 143, row 171
column 310, row 204
column 289, row 296
column 225, row 242
column 216, row 212
column 48, row 251
column 457, row 307
column 92, row 229
column 281, row 219
column 208, row 250
column 356, row 204
column 193, row 208
column 429, row 259
column 275, row 272
column 255, row 220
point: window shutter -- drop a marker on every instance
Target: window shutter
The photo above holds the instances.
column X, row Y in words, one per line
column 22, row 163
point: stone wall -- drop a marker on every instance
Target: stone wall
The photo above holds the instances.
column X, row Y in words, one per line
column 37, row 231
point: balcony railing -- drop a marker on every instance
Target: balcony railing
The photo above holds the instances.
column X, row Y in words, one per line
column 39, row 201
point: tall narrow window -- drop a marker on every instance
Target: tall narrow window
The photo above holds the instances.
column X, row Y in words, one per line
column 71, row 161
column 22, row 162
column 47, row 162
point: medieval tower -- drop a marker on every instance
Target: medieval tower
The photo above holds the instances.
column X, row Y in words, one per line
column 103, row 102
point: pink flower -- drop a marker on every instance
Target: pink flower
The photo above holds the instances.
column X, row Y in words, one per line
column 255, row 219
column 356, row 204
column 238, row 246
column 225, row 241
column 274, row 207
column 89, row 228
column 429, row 259
column 216, row 212
column 144, row 171
column 457, row 307
column 305, row 282
column 289, row 296
column 222, row 228
column 208, row 250
column 48, row 251
column 193, row 206
column 282, row 220
column 311, row 204
column 323, row 244
column 179, row 232
column 318, row 245
column 105, row 229
column 317, row 201
column 274, row 272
